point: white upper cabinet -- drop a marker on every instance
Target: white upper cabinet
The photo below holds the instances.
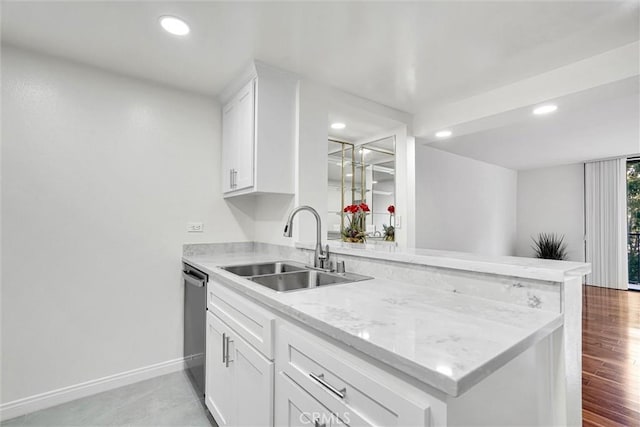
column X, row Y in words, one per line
column 238, row 139
column 258, row 132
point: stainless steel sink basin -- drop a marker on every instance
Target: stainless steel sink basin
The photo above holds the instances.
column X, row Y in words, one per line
column 298, row 280
column 305, row 280
column 285, row 276
column 263, row 268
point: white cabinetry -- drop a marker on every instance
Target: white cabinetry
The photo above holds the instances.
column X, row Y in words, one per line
column 219, row 393
column 255, row 324
column 263, row 370
column 238, row 117
column 323, row 383
column 239, row 383
column 253, row 377
column 258, row 132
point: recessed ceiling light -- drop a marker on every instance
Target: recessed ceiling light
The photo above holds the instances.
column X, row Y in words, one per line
column 349, row 174
column 338, row 126
column 374, row 182
column 545, row 109
column 175, row 26
column 443, row 134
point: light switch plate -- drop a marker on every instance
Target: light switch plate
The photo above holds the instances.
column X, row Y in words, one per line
column 195, row 227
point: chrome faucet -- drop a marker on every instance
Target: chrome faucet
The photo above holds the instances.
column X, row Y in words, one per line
column 321, row 258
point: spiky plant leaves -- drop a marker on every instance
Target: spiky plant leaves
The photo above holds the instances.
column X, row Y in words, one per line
column 550, row 246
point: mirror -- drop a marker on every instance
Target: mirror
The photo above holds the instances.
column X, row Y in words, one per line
column 363, row 173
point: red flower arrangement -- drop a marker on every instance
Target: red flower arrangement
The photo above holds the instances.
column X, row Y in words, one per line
column 357, row 208
column 355, row 232
column 390, row 231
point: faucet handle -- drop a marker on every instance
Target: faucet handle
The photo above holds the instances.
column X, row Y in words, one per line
column 323, row 259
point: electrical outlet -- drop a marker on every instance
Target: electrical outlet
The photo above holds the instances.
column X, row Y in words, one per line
column 194, row 227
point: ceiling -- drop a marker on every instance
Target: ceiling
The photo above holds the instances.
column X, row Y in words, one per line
column 400, row 54
column 593, row 124
column 361, row 125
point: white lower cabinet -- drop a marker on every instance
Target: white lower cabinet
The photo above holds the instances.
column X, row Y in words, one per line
column 219, row 382
column 239, row 383
column 263, row 370
column 253, row 376
column 337, row 388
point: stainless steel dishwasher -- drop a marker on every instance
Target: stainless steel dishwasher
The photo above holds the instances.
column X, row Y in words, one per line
column 195, row 318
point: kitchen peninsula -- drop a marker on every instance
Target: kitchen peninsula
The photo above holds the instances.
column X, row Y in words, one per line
column 433, row 338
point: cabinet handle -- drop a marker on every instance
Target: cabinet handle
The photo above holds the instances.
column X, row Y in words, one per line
column 320, row 379
column 224, row 348
column 226, row 362
column 235, row 178
column 230, row 178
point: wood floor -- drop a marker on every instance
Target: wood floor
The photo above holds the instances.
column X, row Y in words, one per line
column 610, row 357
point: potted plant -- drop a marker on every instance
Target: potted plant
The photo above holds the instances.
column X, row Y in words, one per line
column 550, row 246
column 355, row 232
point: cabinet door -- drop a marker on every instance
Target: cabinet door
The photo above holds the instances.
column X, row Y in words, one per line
column 245, row 137
column 294, row 407
column 229, row 119
column 219, row 384
column 253, row 385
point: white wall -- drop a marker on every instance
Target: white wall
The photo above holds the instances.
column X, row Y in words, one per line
column 551, row 200
column 311, row 176
column 101, row 173
column 463, row 204
column 311, row 169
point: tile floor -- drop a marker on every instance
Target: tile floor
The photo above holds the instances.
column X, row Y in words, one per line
column 169, row 400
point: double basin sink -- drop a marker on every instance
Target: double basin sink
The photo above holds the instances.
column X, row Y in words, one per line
column 285, row 276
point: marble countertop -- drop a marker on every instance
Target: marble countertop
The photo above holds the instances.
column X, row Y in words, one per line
column 447, row 340
column 531, row 268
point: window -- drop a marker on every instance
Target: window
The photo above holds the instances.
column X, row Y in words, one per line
column 633, row 221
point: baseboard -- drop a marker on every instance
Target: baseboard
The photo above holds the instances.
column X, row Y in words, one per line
column 51, row 398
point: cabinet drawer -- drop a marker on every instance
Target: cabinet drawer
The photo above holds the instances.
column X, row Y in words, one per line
column 359, row 393
column 296, row 408
column 247, row 319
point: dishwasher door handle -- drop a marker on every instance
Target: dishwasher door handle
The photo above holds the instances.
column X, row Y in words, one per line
column 193, row 280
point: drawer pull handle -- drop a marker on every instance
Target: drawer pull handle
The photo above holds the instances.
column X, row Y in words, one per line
column 224, row 348
column 226, row 362
column 320, row 379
